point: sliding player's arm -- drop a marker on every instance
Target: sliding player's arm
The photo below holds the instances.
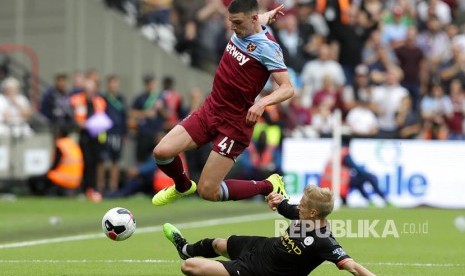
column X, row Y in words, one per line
column 277, row 202
column 356, row 268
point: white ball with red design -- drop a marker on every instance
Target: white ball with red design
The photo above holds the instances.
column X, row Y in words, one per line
column 118, row 224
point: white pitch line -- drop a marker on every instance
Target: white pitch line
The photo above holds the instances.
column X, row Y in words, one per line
column 416, row 264
column 177, row 261
column 151, row 229
column 87, row 261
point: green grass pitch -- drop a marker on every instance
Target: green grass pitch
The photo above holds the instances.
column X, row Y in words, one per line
column 427, row 242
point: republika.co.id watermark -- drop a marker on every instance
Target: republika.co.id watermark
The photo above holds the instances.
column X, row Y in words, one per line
column 361, row 228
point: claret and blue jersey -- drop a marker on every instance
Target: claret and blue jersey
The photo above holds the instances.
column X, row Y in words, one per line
column 242, row 73
column 244, row 69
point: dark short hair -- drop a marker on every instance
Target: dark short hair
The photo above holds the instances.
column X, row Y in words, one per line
column 245, row 6
column 61, row 76
column 168, row 82
column 148, row 78
column 112, row 77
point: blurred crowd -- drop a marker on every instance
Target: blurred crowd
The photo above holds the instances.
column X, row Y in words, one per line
column 395, row 69
column 92, row 121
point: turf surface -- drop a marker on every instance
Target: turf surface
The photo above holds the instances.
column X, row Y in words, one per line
column 427, row 242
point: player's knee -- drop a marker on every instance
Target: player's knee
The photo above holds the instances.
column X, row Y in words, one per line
column 220, row 246
column 188, row 267
column 208, row 193
column 161, row 153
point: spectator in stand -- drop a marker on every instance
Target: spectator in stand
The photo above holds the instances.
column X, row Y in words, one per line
column 15, row 110
column 117, row 111
column 386, row 101
column 154, row 11
column 323, row 118
column 375, row 55
column 457, row 121
column 413, row 64
column 85, row 105
column 436, row 109
column 434, row 43
column 306, row 13
column 295, row 39
column 147, row 111
column 437, row 8
column 394, row 31
column 351, row 37
column 186, row 29
column 55, row 105
column 362, row 120
column 360, row 90
column 209, row 21
column 408, row 120
column 381, row 62
column 373, row 8
column 299, row 118
column 454, row 69
column 314, row 72
column 331, row 91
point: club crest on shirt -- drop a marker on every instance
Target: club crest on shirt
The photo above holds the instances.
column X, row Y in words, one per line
column 251, row 47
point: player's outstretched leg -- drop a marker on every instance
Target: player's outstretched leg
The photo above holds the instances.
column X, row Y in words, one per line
column 170, row 194
column 175, row 237
column 278, row 184
column 203, row 248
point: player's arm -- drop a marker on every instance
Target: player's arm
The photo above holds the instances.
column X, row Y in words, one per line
column 356, row 268
column 277, row 202
column 269, row 17
column 285, row 91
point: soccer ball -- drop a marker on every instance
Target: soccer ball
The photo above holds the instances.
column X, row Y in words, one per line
column 118, row 224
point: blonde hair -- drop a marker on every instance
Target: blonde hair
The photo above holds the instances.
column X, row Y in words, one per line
column 321, row 199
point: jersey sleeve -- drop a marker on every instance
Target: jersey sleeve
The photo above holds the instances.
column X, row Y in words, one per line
column 288, row 210
column 331, row 251
column 272, row 58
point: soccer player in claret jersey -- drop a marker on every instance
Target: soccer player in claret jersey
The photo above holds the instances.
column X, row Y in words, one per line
column 305, row 245
column 229, row 113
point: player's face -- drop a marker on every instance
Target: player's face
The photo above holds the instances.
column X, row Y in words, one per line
column 243, row 24
column 304, row 211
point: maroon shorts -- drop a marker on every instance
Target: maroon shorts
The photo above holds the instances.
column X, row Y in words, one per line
column 204, row 128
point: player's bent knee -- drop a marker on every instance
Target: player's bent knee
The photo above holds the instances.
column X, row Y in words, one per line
column 161, row 153
column 220, row 246
column 188, row 267
column 208, row 193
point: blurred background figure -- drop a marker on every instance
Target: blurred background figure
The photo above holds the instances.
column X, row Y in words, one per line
column 116, row 110
column 436, row 109
column 173, row 103
column 146, row 113
column 386, row 100
column 86, row 105
column 56, row 105
column 65, row 174
column 15, row 110
column 353, row 177
column 408, row 120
